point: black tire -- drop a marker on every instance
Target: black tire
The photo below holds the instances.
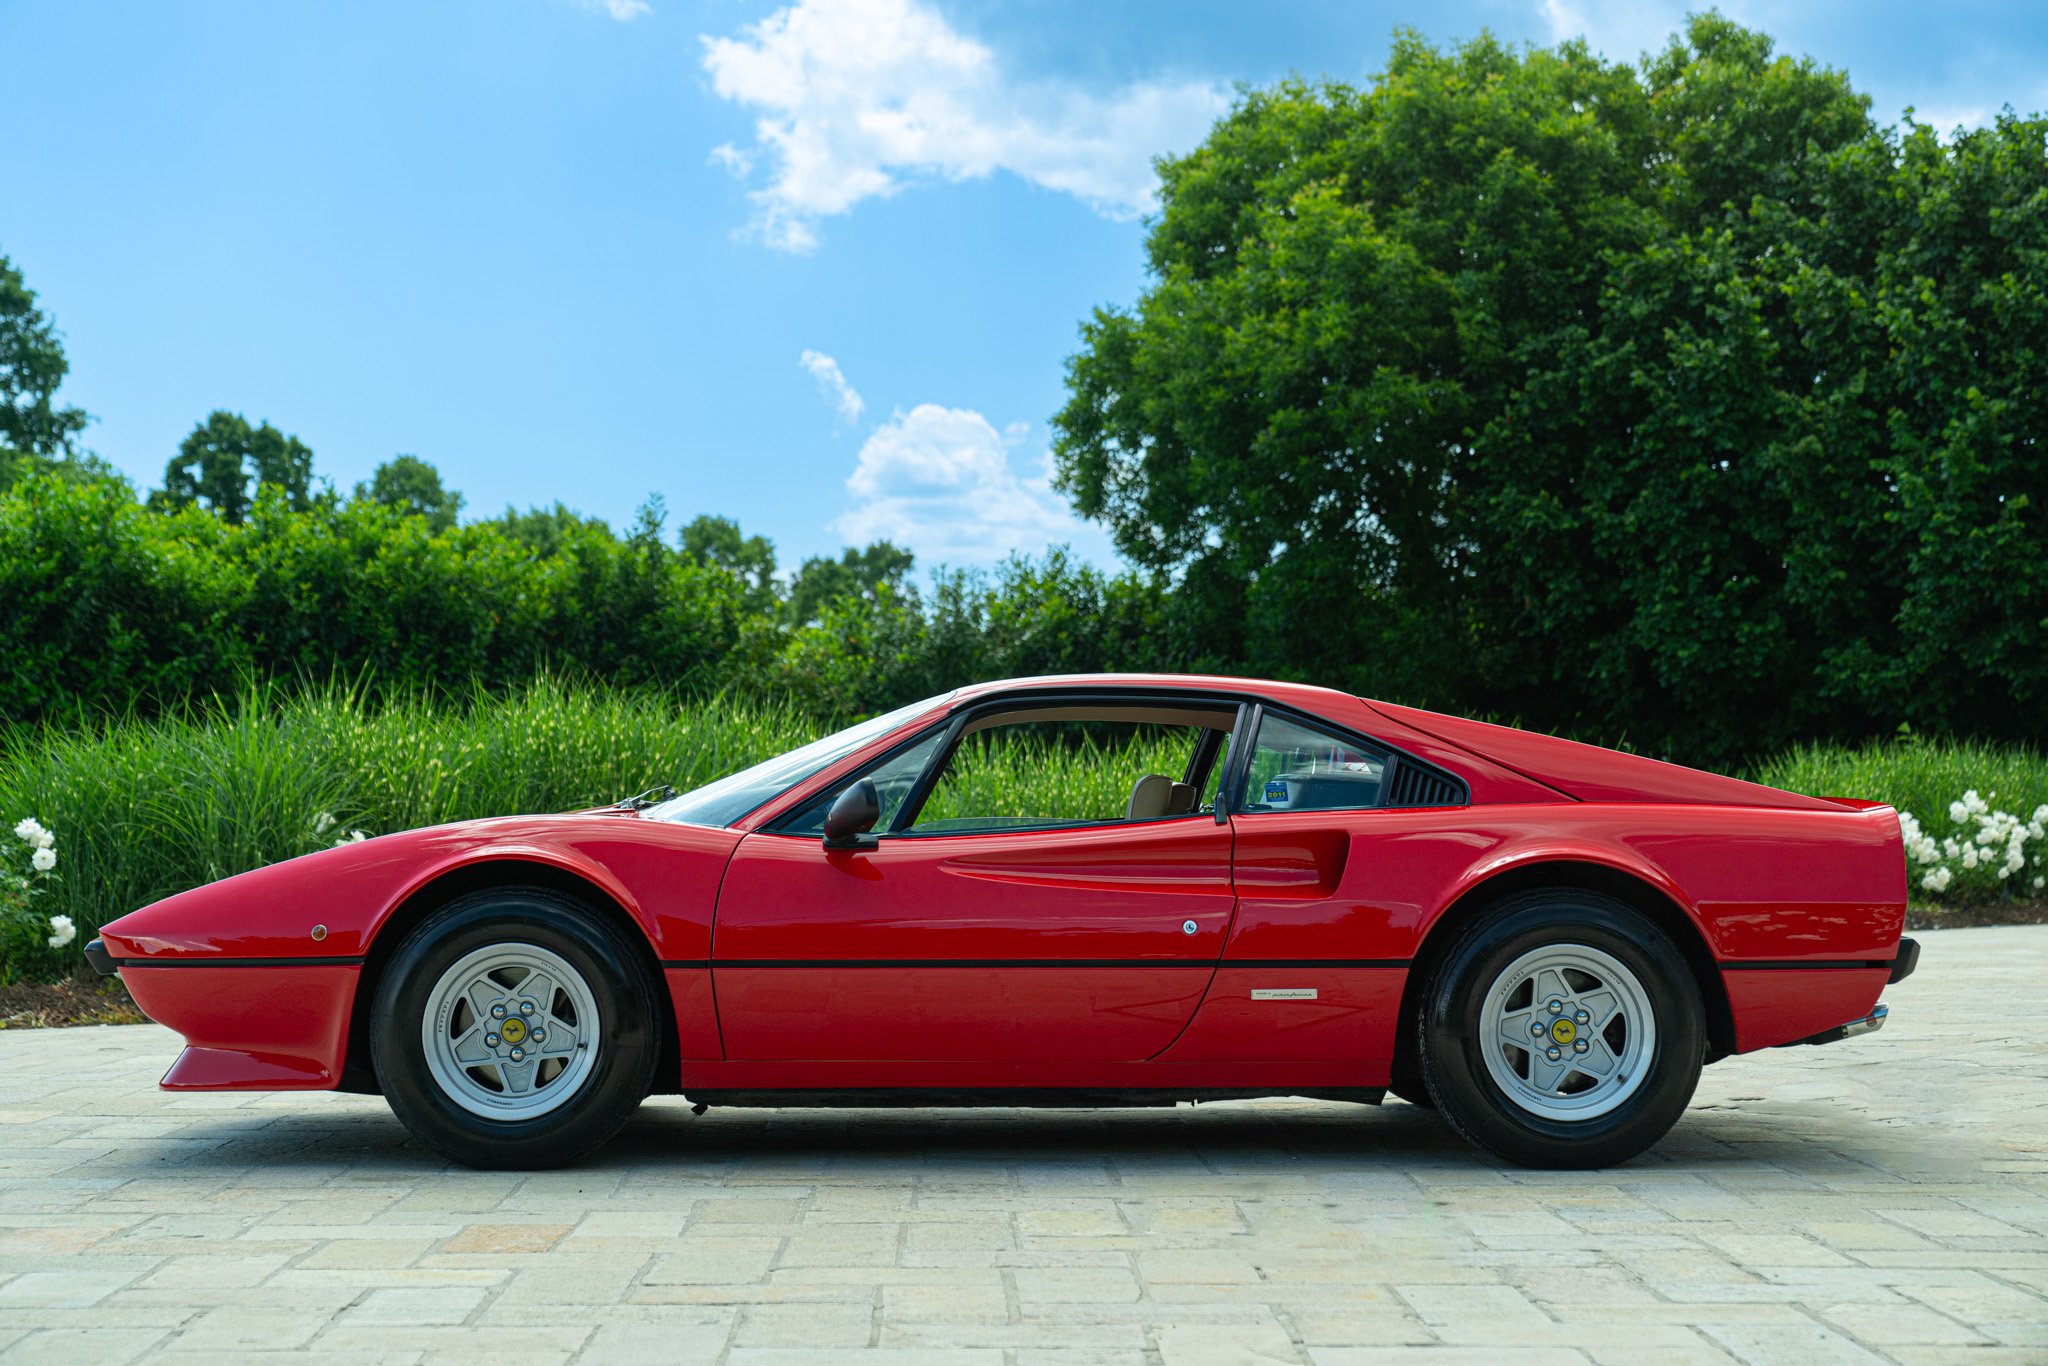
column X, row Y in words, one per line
column 1475, row 1102
column 619, row 977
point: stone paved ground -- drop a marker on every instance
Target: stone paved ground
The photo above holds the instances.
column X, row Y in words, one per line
column 1885, row 1197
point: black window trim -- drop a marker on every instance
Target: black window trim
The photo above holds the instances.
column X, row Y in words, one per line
column 1252, row 710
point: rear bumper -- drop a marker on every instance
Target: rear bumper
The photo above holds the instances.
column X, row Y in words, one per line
column 1796, row 1002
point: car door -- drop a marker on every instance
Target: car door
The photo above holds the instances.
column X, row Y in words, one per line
column 1088, row 941
column 1316, row 960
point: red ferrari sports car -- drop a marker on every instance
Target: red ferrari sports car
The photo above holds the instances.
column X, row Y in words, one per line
column 1094, row 890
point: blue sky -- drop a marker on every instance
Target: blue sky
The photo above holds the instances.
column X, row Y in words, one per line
column 813, row 265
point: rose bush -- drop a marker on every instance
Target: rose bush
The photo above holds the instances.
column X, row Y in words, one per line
column 31, row 942
column 1984, row 852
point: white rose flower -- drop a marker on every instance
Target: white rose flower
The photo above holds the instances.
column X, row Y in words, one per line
column 44, row 859
column 323, row 822
column 1937, row 880
column 1958, row 813
column 62, row 931
column 30, row 831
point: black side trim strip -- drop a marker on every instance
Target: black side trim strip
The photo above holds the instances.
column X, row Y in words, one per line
column 1190, row 964
column 1183, row 963
column 1799, row 964
column 685, row 962
column 199, row 962
column 1315, row 962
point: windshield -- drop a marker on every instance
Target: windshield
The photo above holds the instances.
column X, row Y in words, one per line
column 733, row 796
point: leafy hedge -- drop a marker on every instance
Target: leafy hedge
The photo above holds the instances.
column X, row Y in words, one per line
column 112, row 606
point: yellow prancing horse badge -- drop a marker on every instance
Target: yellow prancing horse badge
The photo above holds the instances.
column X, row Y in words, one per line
column 514, row 1029
column 1563, row 1031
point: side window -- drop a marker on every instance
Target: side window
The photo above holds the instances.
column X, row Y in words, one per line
column 893, row 779
column 1034, row 774
column 1298, row 767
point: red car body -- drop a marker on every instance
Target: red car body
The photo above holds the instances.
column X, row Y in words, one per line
column 1107, row 959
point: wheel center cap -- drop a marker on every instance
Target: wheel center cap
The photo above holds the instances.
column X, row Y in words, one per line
column 1561, row 1031
column 514, row 1030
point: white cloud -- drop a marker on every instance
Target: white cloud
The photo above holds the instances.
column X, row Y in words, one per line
column 1619, row 30
column 622, row 10
column 832, row 383
column 940, row 482
column 857, row 98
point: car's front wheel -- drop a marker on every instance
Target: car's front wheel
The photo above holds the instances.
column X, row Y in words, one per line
column 1562, row 1029
column 515, row 1028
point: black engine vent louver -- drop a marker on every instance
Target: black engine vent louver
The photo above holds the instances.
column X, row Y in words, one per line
column 1415, row 785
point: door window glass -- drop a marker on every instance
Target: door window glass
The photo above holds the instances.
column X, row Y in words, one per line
column 1041, row 773
column 1298, row 767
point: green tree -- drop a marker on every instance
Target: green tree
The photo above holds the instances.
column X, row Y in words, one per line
column 225, row 462
column 1681, row 402
column 32, row 366
column 863, row 573
column 718, row 542
column 36, row 434
column 544, row 531
column 411, row 485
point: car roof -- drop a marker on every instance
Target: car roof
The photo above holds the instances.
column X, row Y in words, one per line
column 1306, row 696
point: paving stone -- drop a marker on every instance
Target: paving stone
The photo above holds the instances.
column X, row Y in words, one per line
column 1884, row 1200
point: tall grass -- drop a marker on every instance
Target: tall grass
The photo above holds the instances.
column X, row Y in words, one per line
column 1026, row 775
column 1920, row 776
column 143, row 809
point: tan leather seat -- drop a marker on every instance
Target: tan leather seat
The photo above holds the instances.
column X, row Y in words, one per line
column 1151, row 798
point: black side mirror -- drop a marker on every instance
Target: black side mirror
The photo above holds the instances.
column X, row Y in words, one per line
column 853, row 814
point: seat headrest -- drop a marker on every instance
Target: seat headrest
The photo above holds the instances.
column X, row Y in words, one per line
column 1151, row 796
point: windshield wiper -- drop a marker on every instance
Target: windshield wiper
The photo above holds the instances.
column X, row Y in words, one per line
column 647, row 798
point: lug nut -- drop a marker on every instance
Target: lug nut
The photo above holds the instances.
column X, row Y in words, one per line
column 1552, row 1054
column 540, row 1036
column 526, row 1007
column 490, row 1041
column 1536, row 1030
column 519, row 1055
column 498, row 1011
column 1556, row 1007
column 1583, row 1017
column 1579, row 1047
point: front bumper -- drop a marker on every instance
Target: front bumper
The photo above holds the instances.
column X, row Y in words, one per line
column 249, row 1024
column 102, row 961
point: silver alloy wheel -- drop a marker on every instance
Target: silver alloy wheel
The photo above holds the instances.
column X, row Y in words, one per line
column 1567, row 1032
column 510, row 1031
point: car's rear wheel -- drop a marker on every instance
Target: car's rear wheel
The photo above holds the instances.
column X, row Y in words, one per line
column 515, row 1028
column 1562, row 1029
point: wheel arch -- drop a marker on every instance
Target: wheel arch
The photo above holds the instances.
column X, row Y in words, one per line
column 1653, row 902
column 499, row 869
